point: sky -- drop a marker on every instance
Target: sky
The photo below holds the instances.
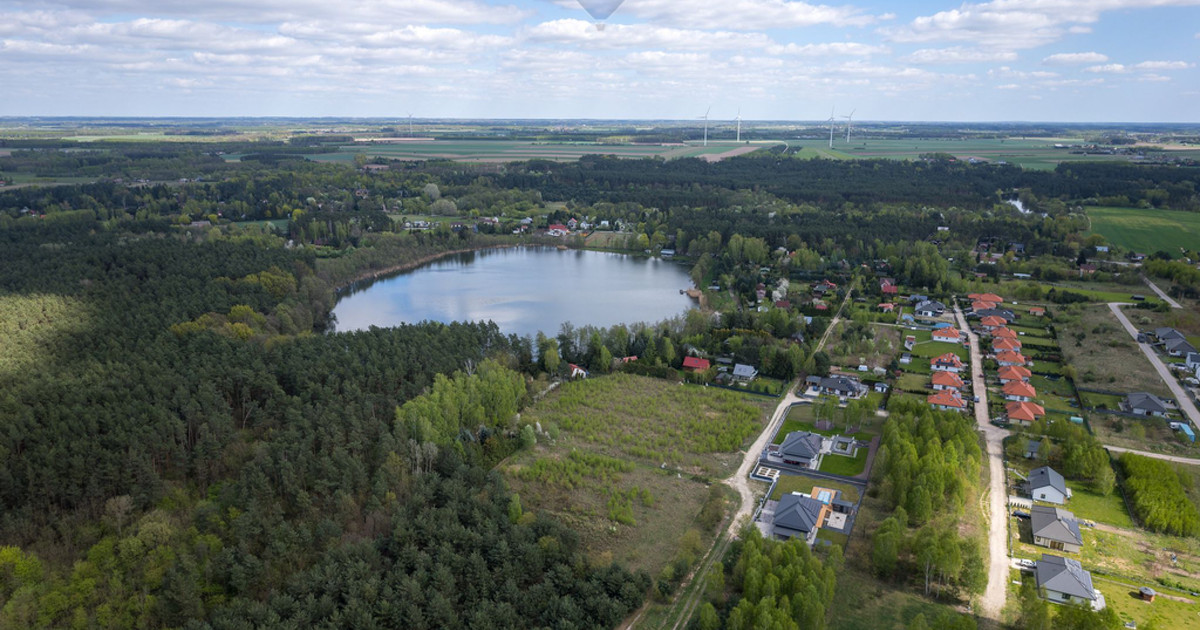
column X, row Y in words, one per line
column 925, row 60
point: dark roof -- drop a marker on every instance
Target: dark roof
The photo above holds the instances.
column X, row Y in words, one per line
column 930, row 305
column 1166, row 333
column 1047, row 476
column 804, row 444
column 1033, row 446
column 797, row 513
column 1146, row 402
column 995, row 312
column 1179, row 345
column 841, row 384
column 1055, row 524
column 1064, row 575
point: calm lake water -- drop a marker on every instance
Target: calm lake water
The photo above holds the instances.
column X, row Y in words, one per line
column 523, row 290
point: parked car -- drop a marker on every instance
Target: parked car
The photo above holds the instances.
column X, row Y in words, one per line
column 1020, row 514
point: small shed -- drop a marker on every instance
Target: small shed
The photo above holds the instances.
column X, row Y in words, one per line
column 1147, row 593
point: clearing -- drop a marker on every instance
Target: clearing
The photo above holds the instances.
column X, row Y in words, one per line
column 1147, row 230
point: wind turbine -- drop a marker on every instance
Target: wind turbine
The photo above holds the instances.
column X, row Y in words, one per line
column 705, row 119
column 831, row 119
column 849, row 123
column 739, row 127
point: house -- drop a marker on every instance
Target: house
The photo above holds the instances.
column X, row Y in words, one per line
column 1063, row 580
column 696, row 364
column 905, row 358
column 1019, row 391
column 1144, row 404
column 930, row 308
column 950, row 335
column 947, row 400
column 744, row 373
column 843, row 387
column 888, row 286
column 946, row 380
column 948, row 362
column 1024, row 413
column 576, row 371
column 985, row 297
column 1166, row 334
column 1178, row 347
column 1004, row 344
column 887, row 307
column 1045, row 484
column 1014, row 373
column 1032, row 448
column 557, row 229
column 798, row 516
column 881, row 387
column 823, row 287
column 1007, row 315
column 1011, row 358
column 1037, row 311
column 1192, row 361
column 1055, row 528
column 573, row 223
column 801, row 448
column 1004, row 333
column 665, row 254
column 910, row 341
column 992, row 322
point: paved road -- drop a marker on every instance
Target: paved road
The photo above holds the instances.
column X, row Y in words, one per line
column 1166, row 298
column 995, row 514
column 1181, row 397
column 1169, row 458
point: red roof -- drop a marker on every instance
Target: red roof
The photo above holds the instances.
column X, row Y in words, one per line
column 1015, row 358
column 993, row 321
column 822, row 307
column 1014, row 373
column 980, row 305
column 946, row 333
column 949, row 358
column 783, row 304
column 890, row 289
column 985, row 297
column 887, row 306
column 558, row 226
column 947, row 398
column 1004, row 332
column 1024, row 411
column 947, row 379
column 1036, row 310
column 1004, row 343
column 1018, row 388
column 696, row 363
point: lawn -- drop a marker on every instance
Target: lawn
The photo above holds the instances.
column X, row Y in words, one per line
column 1104, row 355
column 794, row 423
column 930, row 349
column 860, row 601
column 1146, row 231
column 1166, row 613
column 910, row 382
column 845, row 466
column 799, row 483
column 1092, row 506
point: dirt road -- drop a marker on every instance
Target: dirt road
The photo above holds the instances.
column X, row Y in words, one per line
column 1169, row 458
column 1166, row 298
column 1181, row 397
column 998, row 563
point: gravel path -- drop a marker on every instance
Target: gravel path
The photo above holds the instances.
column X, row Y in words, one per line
column 1181, row 397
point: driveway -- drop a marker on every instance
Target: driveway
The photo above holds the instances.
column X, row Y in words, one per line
column 1181, row 397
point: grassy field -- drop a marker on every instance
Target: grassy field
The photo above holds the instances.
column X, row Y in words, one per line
column 1147, row 231
column 1104, row 355
column 1165, row 613
column 1093, row 506
column 603, row 475
column 860, row 601
column 512, row 150
column 1029, row 153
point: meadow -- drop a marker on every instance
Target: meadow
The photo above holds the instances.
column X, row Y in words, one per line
column 1147, row 231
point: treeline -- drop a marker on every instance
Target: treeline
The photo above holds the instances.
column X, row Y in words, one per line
column 926, row 464
column 1159, row 498
column 769, row 584
column 1071, row 450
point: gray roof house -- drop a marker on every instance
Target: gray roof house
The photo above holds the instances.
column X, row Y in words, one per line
column 801, row 448
column 744, row 373
column 1192, row 360
column 1178, row 347
column 1144, row 404
column 1003, row 313
column 843, row 387
column 1046, row 484
column 1055, row 528
column 1032, row 447
column 797, row 515
column 1064, row 580
column 1166, row 333
column 930, row 308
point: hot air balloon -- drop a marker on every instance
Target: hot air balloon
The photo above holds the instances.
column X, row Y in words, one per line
column 600, row 9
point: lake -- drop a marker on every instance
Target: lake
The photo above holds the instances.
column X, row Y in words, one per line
column 523, row 290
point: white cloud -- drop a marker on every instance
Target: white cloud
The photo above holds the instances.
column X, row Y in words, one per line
column 1110, row 68
column 394, row 12
column 1008, row 86
column 956, row 54
column 744, row 15
column 620, row 36
column 1067, row 59
column 1164, row 65
column 831, row 49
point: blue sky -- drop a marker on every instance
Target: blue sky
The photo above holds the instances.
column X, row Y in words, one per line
column 998, row 60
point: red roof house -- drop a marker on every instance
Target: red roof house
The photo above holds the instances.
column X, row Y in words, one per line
column 992, row 322
column 1019, row 391
column 1004, row 344
column 695, row 364
column 948, row 362
column 1004, row 332
column 946, row 380
column 1010, row 373
column 1024, row 412
column 1011, row 358
column 947, row 400
column 946, row 334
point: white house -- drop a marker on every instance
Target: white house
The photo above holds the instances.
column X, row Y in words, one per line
column 1045, row 484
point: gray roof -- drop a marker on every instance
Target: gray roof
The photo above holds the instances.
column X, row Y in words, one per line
column 842, row 384
column 1166, row 333
column 1047, row 476
column 1055, row 524
column 1004, row 313
column 1065, row 576
column 744, row 371
column 1146, row 402
column 803, row 444
column 930, row 305
column 1193, row 357
column 797, row 513
column 1179, row 345
column 1033, row 446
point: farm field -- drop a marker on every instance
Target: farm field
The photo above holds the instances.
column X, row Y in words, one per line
column 1033, row 153
column 512, row 150
column 604, row 473
column 1146, row 231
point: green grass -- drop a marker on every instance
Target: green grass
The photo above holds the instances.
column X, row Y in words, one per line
column 910, row 382
column 803, row 422
column 799, row 483
column 861, row 602
column 1094, row 507
column 1166, row 613
column 1146, row 231
column 845, row 466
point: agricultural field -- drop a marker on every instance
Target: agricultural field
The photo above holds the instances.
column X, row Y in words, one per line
column 512, row 150
column 1104, row 355
column 625, row 460
column 1146, row 231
